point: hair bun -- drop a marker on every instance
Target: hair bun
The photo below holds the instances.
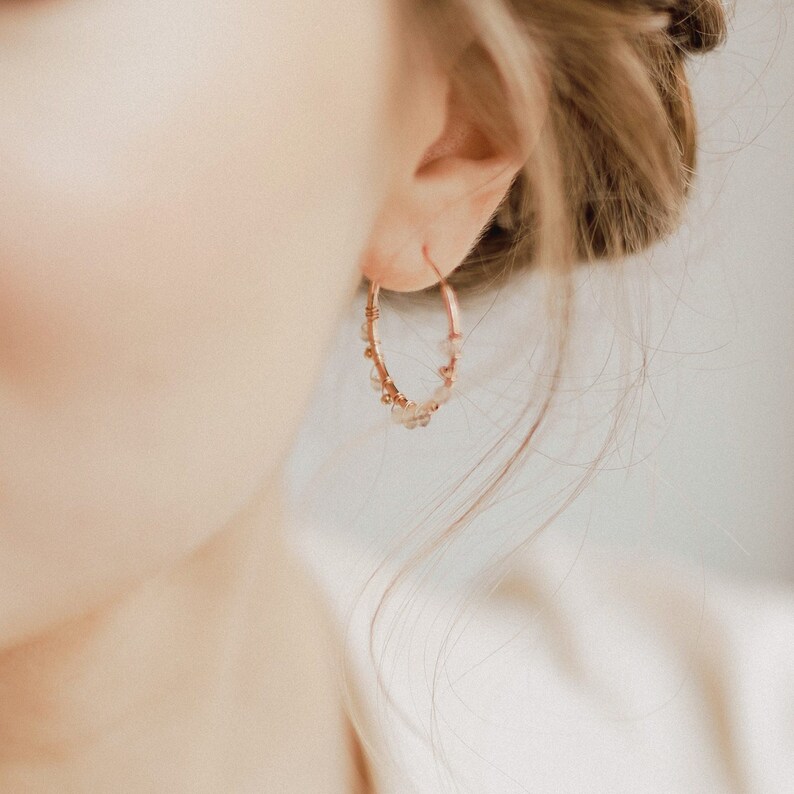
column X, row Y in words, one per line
column 697, row 25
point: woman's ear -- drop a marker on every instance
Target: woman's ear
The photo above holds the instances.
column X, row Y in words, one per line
column 447, row 188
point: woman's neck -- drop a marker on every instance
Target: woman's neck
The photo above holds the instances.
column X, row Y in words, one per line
column 212, row 676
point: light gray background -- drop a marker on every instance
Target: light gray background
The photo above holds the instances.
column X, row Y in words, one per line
column 704, row 466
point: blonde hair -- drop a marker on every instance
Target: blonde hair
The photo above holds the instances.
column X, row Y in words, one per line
column 595, row 93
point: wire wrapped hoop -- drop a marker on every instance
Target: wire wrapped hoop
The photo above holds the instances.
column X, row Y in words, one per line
column 404, row 411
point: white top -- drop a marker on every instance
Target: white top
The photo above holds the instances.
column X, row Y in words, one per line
column 584, row 671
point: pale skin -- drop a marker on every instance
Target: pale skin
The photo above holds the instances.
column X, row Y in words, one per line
column 190, row 193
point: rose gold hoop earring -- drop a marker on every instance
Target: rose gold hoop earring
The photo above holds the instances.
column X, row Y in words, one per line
column 404, row 411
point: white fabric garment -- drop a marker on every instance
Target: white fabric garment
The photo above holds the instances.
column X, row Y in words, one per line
column 583, row 671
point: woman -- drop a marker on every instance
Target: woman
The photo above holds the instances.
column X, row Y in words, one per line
column 191, row 195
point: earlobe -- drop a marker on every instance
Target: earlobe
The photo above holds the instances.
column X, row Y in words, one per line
column 445, row 202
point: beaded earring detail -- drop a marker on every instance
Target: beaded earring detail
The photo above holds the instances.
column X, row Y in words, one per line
column 404, row 411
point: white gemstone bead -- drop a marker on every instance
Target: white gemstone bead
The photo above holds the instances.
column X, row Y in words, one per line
column 374, row 379
column 442, row 394
column 409, row 416
column 451, row 347
column 423, row 414
column 397, row 413
column 364, row 333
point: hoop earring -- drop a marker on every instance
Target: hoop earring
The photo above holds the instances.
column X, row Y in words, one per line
column 404, row 411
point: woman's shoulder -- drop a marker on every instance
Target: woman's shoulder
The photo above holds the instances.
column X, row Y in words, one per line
column 650, row 674
column 583, row 668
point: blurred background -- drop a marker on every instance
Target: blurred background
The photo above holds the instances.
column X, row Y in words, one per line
column 689, row 348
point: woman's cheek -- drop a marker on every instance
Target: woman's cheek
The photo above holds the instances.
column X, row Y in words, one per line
column 158, row 170
column 172, row 199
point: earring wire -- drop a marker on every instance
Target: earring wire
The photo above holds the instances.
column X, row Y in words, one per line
column 404, row 411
